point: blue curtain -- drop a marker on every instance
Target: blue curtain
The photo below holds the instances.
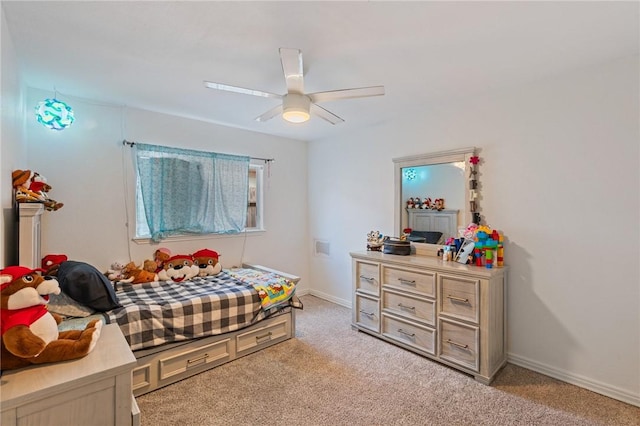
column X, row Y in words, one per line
column 187, row 191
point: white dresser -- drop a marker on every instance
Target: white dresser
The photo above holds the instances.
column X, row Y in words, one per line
column 92, row 391
column 446, row 311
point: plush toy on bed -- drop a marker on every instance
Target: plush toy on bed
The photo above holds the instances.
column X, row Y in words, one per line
column 178, row 268
column 161, row 255
column 136, row 275
column 207, row 262
column 115, row 273
column 29, row 331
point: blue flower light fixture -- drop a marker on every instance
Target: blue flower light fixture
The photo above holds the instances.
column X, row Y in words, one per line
column 54, row 114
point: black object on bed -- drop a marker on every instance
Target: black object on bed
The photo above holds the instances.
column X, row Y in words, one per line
column 86, row 285
column 429, row 237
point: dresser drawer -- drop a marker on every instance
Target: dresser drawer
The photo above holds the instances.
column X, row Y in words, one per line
column 413, row 308
column 459, row 297
column 415, row 281
column 419, row 337
column 459, row 343
column 367, row 313
column 367, row 277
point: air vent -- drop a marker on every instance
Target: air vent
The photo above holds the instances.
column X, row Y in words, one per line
column 322, row 248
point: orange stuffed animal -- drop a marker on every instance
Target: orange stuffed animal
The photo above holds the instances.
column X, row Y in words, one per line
column 29, row 331
column 135, row 275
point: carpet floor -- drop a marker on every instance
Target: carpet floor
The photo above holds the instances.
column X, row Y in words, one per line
column 330, row 374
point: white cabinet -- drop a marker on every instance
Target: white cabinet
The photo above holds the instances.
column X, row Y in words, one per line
column 93, row 390
column 29, row 233
column 452, row 313
column 445, row 221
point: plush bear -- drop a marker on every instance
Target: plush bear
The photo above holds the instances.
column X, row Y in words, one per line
column 29, row 331
column 115, row 272
column 32, row 187
column 207, row 262
column 161, row 255
column 178, row 268
column 136, row 275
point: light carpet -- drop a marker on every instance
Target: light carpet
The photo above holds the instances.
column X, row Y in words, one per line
column 330, row 374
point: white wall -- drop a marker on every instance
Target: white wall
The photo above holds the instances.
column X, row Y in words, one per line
column 559, row 175
column 12, row 147
column 86, row 164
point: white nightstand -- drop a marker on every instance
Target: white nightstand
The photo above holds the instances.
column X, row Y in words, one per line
column 94, row 390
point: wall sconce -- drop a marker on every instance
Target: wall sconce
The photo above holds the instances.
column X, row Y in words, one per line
column 54, row 114
column 295, row 108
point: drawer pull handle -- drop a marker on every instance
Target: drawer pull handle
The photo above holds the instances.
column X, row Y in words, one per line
column 457, row 344
column 406, row 281
column 458, row 299
column 192, row 361
column 369, row 314
column 264, row 336
column 413, row 308
column 401, row 331
column 370, row 279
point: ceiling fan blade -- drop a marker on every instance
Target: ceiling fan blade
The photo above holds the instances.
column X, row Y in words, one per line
column 292, row 68
column 236, row 89
column 325, row 115
column 360, row 92
column 270, row 114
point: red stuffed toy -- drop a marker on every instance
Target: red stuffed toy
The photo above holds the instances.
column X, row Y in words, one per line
column 207, row 262
column 51, row 263
column 29, row 331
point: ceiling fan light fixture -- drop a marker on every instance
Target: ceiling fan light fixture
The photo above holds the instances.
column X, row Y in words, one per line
column 295, row 108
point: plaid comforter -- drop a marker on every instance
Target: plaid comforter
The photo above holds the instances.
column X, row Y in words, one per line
column 161, row 312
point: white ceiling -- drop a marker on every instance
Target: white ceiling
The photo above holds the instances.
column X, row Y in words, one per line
column 155, row 55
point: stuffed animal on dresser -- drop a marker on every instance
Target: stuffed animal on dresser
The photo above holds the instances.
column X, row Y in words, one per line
column 178, row 268
column 29, row 331
column 31, row 187
column 207, row 262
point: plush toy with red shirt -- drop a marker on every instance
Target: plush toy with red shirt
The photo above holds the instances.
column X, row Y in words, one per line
column 29, row 331
column 178, row 268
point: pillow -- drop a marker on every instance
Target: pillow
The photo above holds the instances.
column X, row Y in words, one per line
column 86, row 285
column 64, row 305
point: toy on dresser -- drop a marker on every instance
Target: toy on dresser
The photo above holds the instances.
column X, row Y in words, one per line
column 29, row 331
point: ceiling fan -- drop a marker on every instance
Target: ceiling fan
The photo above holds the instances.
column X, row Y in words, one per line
column 296, row 105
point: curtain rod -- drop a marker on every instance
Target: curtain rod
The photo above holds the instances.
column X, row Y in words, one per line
column 266, row 160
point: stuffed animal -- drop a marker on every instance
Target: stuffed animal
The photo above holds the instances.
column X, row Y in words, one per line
column 29, row 331
column 149, row 266
column 178, row 268
column 51, row 263
column 438, row 204
column 32, row 187
column 115, row 272
column 160, row 256
column 207, row 262
column 426, row 203
column 135, row 275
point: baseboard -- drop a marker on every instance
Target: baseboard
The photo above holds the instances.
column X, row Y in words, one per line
column 575, row 379
column 329, row 298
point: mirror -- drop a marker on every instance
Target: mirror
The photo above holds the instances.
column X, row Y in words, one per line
column 442, row 175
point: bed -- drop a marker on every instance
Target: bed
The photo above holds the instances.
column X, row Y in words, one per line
column 178, row 330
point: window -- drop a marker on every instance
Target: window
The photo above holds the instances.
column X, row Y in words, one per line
column 184, row 192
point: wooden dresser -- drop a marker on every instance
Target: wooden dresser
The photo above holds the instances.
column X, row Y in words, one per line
column 446, row 311
column 91, row 391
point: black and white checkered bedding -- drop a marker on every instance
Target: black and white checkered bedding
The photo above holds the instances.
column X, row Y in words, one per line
column 161, row 312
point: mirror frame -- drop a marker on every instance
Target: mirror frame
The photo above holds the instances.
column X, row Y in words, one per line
column 454, row 155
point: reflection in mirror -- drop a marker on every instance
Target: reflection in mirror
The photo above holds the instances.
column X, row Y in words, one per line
column 441, row 175
column 435, row 198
